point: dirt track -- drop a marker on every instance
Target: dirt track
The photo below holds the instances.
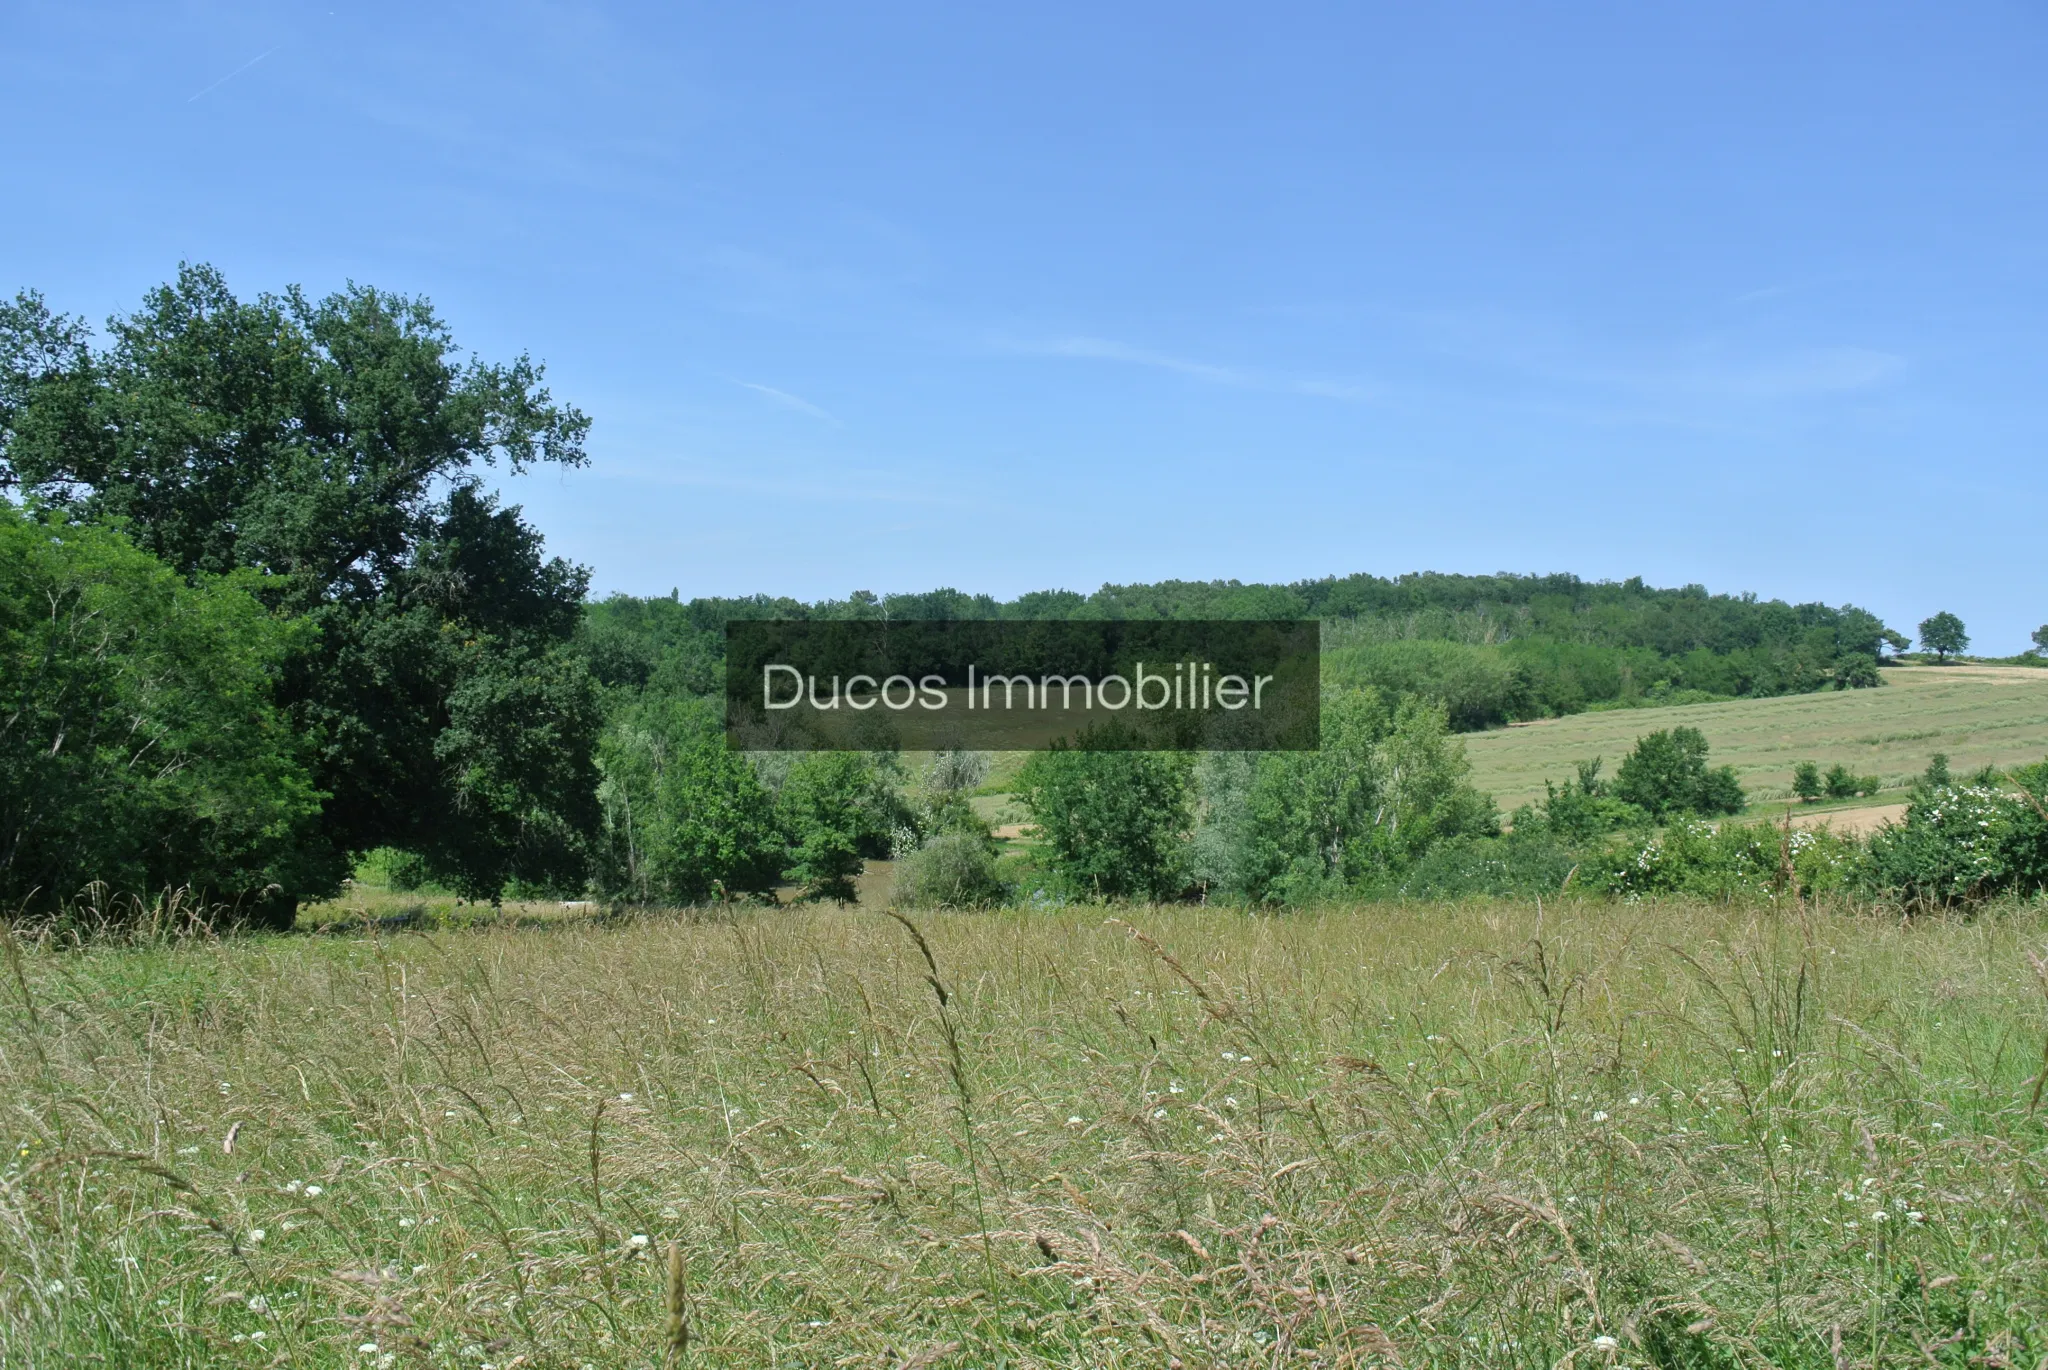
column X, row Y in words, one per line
column 1852, row 822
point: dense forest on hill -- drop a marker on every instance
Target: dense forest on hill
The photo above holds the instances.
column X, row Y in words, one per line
column 1492, row 648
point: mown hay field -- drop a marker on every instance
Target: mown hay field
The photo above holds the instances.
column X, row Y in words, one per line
column 1978, row 715
column 1484, row 1135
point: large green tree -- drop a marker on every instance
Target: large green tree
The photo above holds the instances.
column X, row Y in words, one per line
column 1943, row 634
column 139, row 748
column 334, row 449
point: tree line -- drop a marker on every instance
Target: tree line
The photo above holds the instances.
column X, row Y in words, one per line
column 260, row 616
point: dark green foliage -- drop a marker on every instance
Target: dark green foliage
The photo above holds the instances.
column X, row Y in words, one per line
column 138, row 744
column 1728, row 861
column 1843, row 783
column 1477, row 686
column 1937, row 771
column 1667, row 775
column 1491, row 649
column 332, row 447
column 1388, row 783
column 1806, row 781
column 954, row 870
column 1963, row 843
column 685, row 819
column 2040, row 640
column 1529, row 860
column 1114, row 823
column 1943, row 634
column 838, row 808
column 1581, row 809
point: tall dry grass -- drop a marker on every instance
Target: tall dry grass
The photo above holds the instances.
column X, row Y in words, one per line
column 1479, row 1135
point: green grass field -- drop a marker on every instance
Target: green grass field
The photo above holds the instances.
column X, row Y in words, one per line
column 1979, row 716
column 1486, row 1135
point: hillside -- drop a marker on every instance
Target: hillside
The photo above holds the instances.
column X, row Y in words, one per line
column 1978, row 715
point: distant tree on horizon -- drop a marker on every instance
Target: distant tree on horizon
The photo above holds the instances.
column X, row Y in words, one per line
column 1943, row 634
column 2041, row 640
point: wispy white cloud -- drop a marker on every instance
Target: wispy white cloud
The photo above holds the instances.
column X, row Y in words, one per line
column 1710, row 367
column 1815, row 371
column 233, row 74
column 789, row 401
column 1109, row 350
column 795, row 481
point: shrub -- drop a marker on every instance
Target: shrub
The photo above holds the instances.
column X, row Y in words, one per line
column 1386, row 785
column 952, row 870
column 1667, row 774
column 828, row 807
column 1843, row 783
column 1960, row 844
column 1582, row 808
column 1729, row 861
column 1528, row 860
column 1806, row 781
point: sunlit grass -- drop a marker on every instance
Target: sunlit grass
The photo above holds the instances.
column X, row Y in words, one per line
column 1471, row 1135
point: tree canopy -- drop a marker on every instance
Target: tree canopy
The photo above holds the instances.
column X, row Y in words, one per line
column 139, row 748
column 333, row 450
column 1943, row 635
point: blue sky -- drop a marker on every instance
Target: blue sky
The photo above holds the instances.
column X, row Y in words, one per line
column 892, row 297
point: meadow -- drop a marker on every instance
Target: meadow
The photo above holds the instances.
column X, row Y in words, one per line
column 1492, row 1134
column 1977, row 715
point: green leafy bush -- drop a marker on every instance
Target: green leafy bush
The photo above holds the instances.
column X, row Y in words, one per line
column 1526, row 861
column 1667, row 774
column 837, row 809
column 1387, row 784
column 1728, row 861
column 1582, row 808
column 1960, row 844
column 954, row 870
column 1806, row 782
